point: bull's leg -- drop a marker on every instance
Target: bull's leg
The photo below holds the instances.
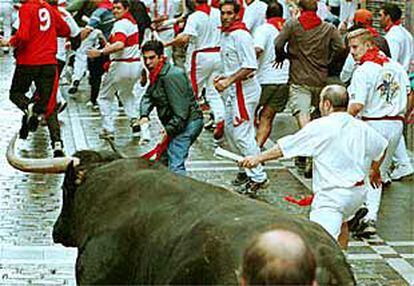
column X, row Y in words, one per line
column 102, row 261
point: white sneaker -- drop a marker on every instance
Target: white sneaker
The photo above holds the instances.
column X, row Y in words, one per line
column 402, row 171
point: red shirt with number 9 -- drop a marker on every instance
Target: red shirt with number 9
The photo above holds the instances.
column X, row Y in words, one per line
column 36, row 38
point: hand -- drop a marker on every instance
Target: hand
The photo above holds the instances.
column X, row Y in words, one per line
column 94, row 53
column 85, row 33
column 221, row 83
column 277, row 65
column 143, row 120
column 4, row 42
column 375, row 178
column 68, row 46
column 249, row 162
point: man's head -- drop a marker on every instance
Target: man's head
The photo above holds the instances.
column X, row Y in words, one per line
column 278, row 257
column 229, row 12
column 120, row 8
column 363, row 18
column 389, row 13
column 333, row 98
column 152, row 52
column 308, row 5
column 274, row 9
column 360, row 41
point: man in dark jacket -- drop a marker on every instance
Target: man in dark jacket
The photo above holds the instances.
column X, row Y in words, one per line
column 171, row 93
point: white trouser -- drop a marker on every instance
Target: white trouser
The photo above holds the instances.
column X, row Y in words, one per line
column 80, row 64
column 208, row 67
column 121, row 78
column 6, row 12
column 330, row 208
column 241, row 134
column 401, row 156
column 392, row 131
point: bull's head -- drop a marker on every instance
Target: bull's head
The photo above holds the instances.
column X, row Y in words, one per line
column 75, row 169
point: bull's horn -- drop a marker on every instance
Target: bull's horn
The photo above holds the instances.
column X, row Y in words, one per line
column 47, row 165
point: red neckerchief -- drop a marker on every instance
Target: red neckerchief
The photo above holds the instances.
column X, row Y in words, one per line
column 215, row 4
column 396, row 23
column 237, row 25
column 153, row 75
column 203, row 8
column 105, row 4
column 372, row 31
column 129, row 17
column 277, row 22
column 309, row 20
column 373, row 55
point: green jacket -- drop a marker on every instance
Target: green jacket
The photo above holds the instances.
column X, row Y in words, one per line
column 174, row 99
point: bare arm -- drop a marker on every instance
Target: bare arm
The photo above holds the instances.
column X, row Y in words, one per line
column 180, row 41
column 109, row 49
column 221, row 83
column 272, row 154
column 375, row 174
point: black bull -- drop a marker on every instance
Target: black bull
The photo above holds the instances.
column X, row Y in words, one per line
column 134, row 222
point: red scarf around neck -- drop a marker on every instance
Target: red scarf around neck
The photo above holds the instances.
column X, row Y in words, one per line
column 373, row 32
column 374, row 55
column 277, row 22
column 153, row 75
column 309, row 20
column 396, row 23
column 237, row 25
column 128, row 16
column 203, row 8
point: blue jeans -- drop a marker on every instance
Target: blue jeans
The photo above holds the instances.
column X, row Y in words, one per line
column 179, row 146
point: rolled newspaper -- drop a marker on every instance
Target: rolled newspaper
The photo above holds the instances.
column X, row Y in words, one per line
column 223, row 153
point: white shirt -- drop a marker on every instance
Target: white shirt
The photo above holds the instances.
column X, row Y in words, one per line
column 322, row 11
column 342, row 148
column 204, row 29
column 254, row 15
column 264, row 39
column 237, row 52
column 129, row 30
column 347, row 11
column 381, row 89
column 401, row 45
column 74, row 31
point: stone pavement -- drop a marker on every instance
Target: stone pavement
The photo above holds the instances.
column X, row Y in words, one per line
column 30, row 203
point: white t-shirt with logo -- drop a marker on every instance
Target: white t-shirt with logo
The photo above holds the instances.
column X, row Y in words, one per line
column 342, row 148
column 382, row 89
column 264, row 37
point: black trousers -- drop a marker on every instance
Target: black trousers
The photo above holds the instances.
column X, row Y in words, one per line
column 96, row 70
column 46, row 80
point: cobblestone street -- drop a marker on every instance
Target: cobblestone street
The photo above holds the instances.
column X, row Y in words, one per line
column 30, row 203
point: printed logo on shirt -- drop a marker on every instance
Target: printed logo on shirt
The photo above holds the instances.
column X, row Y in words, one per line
column 389, row 87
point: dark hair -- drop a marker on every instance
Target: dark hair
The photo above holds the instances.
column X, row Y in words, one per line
column 308, row 5
column 392, row 10
column 272, row 265
column 153, row 45
column 125, row 3
column 235, row 4
column 201, row 1
column 274, row 9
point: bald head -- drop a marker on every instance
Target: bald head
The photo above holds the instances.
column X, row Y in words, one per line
column 336, row 95
column 278, row 257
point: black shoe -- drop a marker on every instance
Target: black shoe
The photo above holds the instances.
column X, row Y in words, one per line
column 251, row 188
column 24, row 131
column 300, row 163
column 74, row 88
column 355, row 222
column 240, row 179
column 308, row 168
column 366, row 229
column 58, row 149
column 32, row 119
column 136, row 128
